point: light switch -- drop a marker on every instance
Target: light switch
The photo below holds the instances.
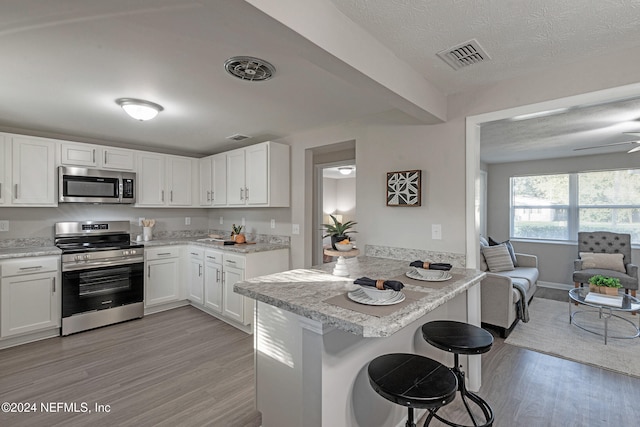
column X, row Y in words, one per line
column 187, row 220
column 273, row 223
column 243, row 222
column 436, row 231
column 295, row 228
column 4, row 225
column 221, row 220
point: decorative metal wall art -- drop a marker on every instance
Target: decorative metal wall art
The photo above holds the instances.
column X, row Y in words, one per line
column 404, row 188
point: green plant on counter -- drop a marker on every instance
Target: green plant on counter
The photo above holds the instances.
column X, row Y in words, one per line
column 338, row 228
column 236, row 229
column 607, row 282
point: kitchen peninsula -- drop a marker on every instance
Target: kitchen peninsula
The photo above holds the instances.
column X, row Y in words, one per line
column 313, row 344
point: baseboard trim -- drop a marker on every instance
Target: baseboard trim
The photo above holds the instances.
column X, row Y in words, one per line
column 554, row 285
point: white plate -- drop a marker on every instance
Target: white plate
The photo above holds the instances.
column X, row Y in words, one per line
column 360, row 297
column 375, row 293
column 428, row 275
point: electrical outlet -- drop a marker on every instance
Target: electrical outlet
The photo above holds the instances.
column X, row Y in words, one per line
column 273, row 223
column 436, row 231
column 187, row 220
column 243, row 222
column 295, row 228
column 140, row 221
column 221, row 220
column 4, row 225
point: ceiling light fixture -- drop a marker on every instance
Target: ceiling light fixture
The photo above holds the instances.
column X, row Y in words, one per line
column 139, row 109
column 346, row 170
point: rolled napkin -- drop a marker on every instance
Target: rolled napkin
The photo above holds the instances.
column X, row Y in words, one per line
column 379, row 284
column 431, row 265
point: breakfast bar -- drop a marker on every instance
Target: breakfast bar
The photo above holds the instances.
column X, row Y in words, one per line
column 313, row 343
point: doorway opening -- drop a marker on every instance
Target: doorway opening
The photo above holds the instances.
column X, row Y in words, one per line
column 334, row 192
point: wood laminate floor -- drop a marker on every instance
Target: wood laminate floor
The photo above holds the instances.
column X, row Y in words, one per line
column 184, row 368
column 176, row 368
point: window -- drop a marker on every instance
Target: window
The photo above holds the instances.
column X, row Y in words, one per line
column 556, row 207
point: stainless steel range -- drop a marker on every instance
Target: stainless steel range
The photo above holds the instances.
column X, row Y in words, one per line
column 102, row 274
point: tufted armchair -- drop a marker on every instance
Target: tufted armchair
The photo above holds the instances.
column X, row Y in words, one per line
column 604, row 242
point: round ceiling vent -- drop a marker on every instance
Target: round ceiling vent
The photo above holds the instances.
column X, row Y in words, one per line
column 249, row 68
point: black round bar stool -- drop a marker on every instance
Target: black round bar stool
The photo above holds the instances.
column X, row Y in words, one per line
column 413, row 381
column 460, row 338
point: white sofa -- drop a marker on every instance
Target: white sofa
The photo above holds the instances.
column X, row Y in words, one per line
column 499, row 297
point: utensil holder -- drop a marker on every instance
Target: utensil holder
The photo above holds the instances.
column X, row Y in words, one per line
column 147, row 233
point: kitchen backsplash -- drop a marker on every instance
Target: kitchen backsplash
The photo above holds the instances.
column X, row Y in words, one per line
column 456, row 260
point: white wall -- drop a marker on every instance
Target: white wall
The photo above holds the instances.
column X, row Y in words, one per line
column 439, row 150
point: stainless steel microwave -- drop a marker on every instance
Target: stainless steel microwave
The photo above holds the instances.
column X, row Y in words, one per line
column 82, row 185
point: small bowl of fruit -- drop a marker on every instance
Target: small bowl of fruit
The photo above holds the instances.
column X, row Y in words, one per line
column 344, row 245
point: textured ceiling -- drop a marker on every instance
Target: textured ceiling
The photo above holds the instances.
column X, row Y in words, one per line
column 521, row 36
column 65, row 62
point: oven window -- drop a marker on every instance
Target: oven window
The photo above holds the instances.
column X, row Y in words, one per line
column 113, row 280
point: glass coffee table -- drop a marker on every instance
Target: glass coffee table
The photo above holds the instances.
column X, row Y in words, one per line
column 606, row 306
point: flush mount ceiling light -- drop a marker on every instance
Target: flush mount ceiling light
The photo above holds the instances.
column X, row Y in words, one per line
column 249, row 68
column 139, row 109
column 346, row 170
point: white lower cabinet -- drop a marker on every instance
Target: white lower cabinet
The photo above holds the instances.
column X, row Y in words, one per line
column 162, row 275
column 213, row 281
column 222, row 270
column 196, row 276
column 233, row 305
column 30, row 296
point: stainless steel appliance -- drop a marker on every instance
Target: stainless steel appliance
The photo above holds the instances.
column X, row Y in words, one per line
column 82, row 185
column 102, row 274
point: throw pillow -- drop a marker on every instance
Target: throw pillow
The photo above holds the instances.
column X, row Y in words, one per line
column 498, row 258
column 603, row 261
column 509, row 246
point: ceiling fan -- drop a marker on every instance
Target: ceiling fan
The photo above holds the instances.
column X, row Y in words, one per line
column 633, row 150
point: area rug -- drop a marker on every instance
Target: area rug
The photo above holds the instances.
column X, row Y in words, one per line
column 549, row 332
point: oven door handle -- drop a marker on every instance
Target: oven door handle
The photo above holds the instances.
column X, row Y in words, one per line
column 93, row 264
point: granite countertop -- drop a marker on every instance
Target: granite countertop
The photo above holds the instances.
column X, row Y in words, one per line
column 304, row 291
column 209, row 244
column 9, row 253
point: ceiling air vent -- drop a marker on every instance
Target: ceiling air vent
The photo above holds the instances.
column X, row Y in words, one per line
column 464, row 54
column 238, row 137
column 249, row 68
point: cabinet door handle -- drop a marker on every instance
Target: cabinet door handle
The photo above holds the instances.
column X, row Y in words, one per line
column 15, row 195
column 93, row 155
column 224, row 276
column 105, row 157
column 162, row 195
column 149, row 272
column 217, row 276
column 164, row 253
column 193, row 253
column 230, row 261
column 200, row 270
column 53, row 282
column 208, row 196
column 241, row 198
column 246, row 193
column 0, row 190
column 171, row 196
column 212, row 199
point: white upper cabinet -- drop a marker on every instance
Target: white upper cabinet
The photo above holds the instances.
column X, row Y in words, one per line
column 5, row 167
column 258, row 175
column 205, row 171
column 33, row 175
column 151, row 179
column 179, row 180
column 95, row 156
column 165, row 180
column 235, row 178
column 219, row 179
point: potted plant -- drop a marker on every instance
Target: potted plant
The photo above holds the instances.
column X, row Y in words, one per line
column 604, row 285
column 338, row 231
column 236, row 234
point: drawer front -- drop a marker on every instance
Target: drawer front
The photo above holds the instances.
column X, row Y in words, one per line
column 161, row 253
column 196, row 254
column 213, row 257
column 29, row 265
column 235, row 261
